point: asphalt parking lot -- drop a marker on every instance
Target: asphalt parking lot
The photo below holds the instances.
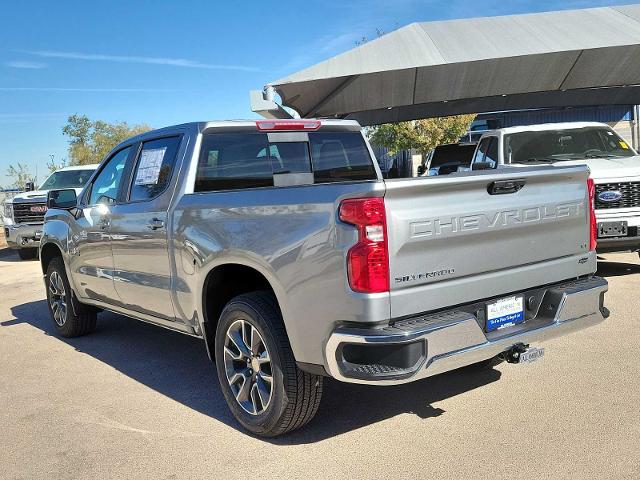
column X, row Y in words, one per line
column 137, row 401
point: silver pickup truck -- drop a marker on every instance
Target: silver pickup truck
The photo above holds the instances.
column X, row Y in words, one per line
column 280, row 245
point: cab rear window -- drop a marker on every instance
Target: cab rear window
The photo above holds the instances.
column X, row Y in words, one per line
column 234, row 161
column 340, row 157
column 231, row 161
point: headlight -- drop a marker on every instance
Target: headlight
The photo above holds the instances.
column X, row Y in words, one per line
column 8, row 210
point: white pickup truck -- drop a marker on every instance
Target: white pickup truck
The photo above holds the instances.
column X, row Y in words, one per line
column 23, row 215
column 614, row 165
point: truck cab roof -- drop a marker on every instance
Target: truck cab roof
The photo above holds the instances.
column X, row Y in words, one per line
column 280, row 125
column 543, row 127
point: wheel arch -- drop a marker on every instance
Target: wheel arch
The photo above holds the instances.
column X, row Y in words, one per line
column 226, row 281
column 48, row 252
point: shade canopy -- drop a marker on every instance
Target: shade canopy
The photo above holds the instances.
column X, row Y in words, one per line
column 566, row 58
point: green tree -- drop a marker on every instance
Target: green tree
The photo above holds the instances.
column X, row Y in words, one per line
column 53, row 166
column 20, row 175
column 90, row 141
column 421, row 135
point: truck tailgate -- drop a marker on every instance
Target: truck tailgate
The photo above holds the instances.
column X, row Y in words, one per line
column 452, row 242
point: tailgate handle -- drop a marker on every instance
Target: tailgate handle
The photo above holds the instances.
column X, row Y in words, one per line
column 502, row 187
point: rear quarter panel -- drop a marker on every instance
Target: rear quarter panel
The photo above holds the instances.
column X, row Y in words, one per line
column 293, row 237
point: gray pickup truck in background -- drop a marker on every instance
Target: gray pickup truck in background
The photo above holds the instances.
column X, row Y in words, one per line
column 279, row 243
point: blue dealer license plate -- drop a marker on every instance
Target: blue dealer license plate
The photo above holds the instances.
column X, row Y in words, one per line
column 505, row 313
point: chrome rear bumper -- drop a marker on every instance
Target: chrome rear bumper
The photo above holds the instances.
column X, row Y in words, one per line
column 437, row 343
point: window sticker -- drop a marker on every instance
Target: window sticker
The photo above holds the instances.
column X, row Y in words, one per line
column 149, row 167
column 624, row 145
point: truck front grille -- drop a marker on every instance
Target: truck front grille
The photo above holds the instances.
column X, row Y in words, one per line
column 630, row 195
column 29, row 212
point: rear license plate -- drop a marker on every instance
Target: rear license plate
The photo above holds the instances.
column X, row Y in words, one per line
column 531, row 355
column 612, row 229
column 504, row 313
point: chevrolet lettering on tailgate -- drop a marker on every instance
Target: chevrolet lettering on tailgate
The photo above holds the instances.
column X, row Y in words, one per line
column 505, row 218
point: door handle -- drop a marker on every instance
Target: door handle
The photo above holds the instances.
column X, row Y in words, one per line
column 155, row 224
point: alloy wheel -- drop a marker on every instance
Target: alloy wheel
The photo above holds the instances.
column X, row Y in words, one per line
column 248, row 367
column 57, row 298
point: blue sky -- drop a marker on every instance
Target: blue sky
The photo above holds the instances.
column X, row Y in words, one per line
column 167, row 62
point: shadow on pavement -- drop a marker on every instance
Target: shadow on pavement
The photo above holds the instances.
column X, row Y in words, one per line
column 11, row 256
column 177, row 366
column 616, row 269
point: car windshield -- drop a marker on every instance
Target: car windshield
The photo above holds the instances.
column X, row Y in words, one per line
column 565, row 144
column 66, row 179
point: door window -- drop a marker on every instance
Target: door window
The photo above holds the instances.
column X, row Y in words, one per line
column 106, row 185
column 153, row 168
column 482, row 149
column 487, row 153
column 492, row 153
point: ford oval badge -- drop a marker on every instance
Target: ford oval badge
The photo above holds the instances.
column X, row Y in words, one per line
column 610, row 196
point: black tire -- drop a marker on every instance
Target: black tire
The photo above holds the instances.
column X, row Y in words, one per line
column 295, row 395
column 27, row 253
column 69, row 322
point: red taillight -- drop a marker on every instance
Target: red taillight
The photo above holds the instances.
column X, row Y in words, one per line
column 367, row 260
column 275, row 125
column 593, row 225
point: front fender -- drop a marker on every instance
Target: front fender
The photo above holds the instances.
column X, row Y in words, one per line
column 56, row 232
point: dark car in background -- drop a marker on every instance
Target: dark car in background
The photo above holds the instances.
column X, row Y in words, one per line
column 446, row 159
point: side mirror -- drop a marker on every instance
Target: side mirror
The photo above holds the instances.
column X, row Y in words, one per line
column 62, row 199
column 29, row 187
column 483, row 166
column 421, row 170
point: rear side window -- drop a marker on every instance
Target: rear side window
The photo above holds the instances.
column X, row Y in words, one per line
column 153, row 168
column 340, row 157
